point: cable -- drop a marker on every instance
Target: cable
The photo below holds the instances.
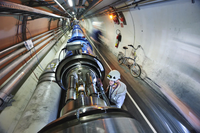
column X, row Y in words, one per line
column 18, row 29
column 34, row 49
column 60, row 54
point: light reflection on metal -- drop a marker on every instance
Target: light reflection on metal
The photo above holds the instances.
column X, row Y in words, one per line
column 10, row 7
column 62, row 7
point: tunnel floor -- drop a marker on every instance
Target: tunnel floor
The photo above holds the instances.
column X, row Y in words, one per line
column 158, row 111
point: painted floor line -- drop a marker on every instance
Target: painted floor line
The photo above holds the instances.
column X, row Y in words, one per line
column 145, row 118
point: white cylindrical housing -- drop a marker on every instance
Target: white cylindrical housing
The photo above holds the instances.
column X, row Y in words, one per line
column 42, row 108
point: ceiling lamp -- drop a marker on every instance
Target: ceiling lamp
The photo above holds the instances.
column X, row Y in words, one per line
column 111, row 16
column 70, row 3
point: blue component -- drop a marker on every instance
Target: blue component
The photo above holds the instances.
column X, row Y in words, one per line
column 78, row 36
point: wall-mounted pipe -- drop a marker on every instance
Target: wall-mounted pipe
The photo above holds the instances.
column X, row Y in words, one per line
column 22, row 43
column 104, row 10
column 13, row 64
column 20, row 76
column 17, row 52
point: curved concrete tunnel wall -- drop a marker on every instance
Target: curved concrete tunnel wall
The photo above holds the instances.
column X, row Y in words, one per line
column 169, row 33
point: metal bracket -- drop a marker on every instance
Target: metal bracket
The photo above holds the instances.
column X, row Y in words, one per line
column 77, row 114
column 7, row 102
column 24, row 22
column 54, row 34
column 137, row 6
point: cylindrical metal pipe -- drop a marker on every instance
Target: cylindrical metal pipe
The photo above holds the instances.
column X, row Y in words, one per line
column 22, row 43
column 71, row 82
column 91, row 86
column 80, row 80
column 44, row 104
column 42, row 108
column 21, row 75
column 12, row 65
column 88, row 79
column 15, row 80
column 71, row 92
column 10, row 56
column 104, row 96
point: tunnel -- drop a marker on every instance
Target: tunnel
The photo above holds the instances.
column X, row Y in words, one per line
column 54, row 73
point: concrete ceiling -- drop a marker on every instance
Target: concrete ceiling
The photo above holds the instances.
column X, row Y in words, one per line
column 81, row 8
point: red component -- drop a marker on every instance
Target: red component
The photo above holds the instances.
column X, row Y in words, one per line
column 121, row 18
column 122, row 25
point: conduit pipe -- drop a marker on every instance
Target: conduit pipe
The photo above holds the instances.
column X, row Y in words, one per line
column 22, row 43
column 20, row 76
column 13, row 64
column 10, row 56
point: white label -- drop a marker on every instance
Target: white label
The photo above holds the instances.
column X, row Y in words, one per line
column 28, row 44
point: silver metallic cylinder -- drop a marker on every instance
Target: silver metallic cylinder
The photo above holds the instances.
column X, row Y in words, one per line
column 91, row 86
column 11, row 66
column 71, row 92
column 13, row 54
column 44, row 104
column 21, row 43
column 12, row 84
column 42, row 108
column 80, row 80
column 88, row 78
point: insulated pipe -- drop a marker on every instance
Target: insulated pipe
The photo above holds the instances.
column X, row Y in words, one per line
column 22, row 43
column 20, row 76
column 13, row 64
column 10, row 56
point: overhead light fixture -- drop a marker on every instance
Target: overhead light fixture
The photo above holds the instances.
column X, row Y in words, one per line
column 111, row 16
column 70, row 3
column 72, row 12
